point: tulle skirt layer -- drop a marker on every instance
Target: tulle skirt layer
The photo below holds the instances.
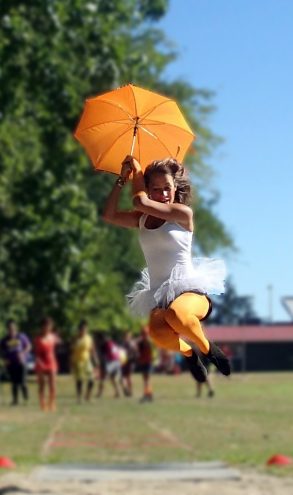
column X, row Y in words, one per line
column 204, row 276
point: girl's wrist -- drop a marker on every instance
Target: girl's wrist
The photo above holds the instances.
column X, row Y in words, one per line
column 121, row 181
column 137, row 169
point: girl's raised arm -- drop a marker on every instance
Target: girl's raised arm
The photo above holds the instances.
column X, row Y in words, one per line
column 111, row 213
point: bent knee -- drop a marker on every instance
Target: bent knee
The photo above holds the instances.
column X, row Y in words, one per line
column 156, row 335
column 174, row 316
column 159, row 336
column 180, row 318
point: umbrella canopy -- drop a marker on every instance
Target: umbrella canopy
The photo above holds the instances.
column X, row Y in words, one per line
column 132, row 120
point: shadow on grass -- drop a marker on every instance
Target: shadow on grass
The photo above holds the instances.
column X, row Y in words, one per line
column 6, row 490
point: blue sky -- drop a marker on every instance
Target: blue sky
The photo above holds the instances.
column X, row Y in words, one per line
column 243, row 51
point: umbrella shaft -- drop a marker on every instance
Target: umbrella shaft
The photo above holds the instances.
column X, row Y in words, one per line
column 133, row 140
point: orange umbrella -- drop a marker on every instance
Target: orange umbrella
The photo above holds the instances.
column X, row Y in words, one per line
column 132, row 120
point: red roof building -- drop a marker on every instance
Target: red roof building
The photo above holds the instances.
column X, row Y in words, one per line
column 250, row 333
column 255, row 347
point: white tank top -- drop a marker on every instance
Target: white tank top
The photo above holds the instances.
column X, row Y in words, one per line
column 170, row 269
column 163, row 248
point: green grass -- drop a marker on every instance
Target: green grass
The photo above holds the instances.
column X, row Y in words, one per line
column 248, row 420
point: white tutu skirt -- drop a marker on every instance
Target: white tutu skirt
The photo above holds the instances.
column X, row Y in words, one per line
column 205, row 276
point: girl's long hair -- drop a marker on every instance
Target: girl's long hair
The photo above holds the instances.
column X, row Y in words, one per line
column 170, row 166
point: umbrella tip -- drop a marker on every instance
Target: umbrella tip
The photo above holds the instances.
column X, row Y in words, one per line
column 126, row 84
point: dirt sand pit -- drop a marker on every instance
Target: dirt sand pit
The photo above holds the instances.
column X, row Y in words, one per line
column 250, row 483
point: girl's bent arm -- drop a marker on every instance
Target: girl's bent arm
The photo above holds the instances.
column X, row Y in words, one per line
column 172, row 212
column 111, row 212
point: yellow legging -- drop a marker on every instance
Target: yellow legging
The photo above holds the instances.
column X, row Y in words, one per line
column 182, row 318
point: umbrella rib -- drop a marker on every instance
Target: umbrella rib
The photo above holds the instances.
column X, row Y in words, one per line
column 134, row 100
column 159, row 122
column 116, row 105
column 162, row 143
column 144, row 115
column 112, row 144
column 152, row 133
column 105, row 123
column 147, row 131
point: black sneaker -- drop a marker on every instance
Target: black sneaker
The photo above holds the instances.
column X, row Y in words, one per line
column 196, row 367
column 219, row 359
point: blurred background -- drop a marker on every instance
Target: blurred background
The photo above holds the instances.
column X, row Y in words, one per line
column 228, row 67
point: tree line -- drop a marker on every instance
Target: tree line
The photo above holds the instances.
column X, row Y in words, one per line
column 57, row 257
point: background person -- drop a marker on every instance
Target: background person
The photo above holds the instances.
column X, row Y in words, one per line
column 208, row 382
column 101, row 375
column 144, row 363
column 130, row 348
column 110, row 364
column 46, row 363
column 15, row 348
column 83, row 356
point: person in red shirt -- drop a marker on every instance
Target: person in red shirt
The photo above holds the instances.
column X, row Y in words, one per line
column 46, row 363
column 144, row 361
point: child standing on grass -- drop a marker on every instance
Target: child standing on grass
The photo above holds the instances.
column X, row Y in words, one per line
column 130, row 349
column 110, row 365
column 144, row 361
column 15, row 347
column 46, row 363
column 83, row 356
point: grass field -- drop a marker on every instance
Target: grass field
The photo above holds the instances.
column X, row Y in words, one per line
column 248, row 420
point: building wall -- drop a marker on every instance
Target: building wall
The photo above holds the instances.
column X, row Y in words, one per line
column 259, row 356
column 269, row 356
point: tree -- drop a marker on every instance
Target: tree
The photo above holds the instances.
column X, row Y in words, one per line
column 56, row 256
column 232, row 309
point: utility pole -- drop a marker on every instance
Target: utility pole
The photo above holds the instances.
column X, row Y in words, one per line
column 270, row 303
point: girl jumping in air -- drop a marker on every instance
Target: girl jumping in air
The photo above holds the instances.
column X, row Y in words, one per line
column 173, row 288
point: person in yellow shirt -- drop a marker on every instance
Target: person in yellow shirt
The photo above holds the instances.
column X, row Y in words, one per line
column 83, row 359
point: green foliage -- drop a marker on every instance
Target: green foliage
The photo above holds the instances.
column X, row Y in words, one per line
column 56, row 255
column 232, row 309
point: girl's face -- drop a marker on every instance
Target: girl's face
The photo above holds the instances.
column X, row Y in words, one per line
column 162, row 188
